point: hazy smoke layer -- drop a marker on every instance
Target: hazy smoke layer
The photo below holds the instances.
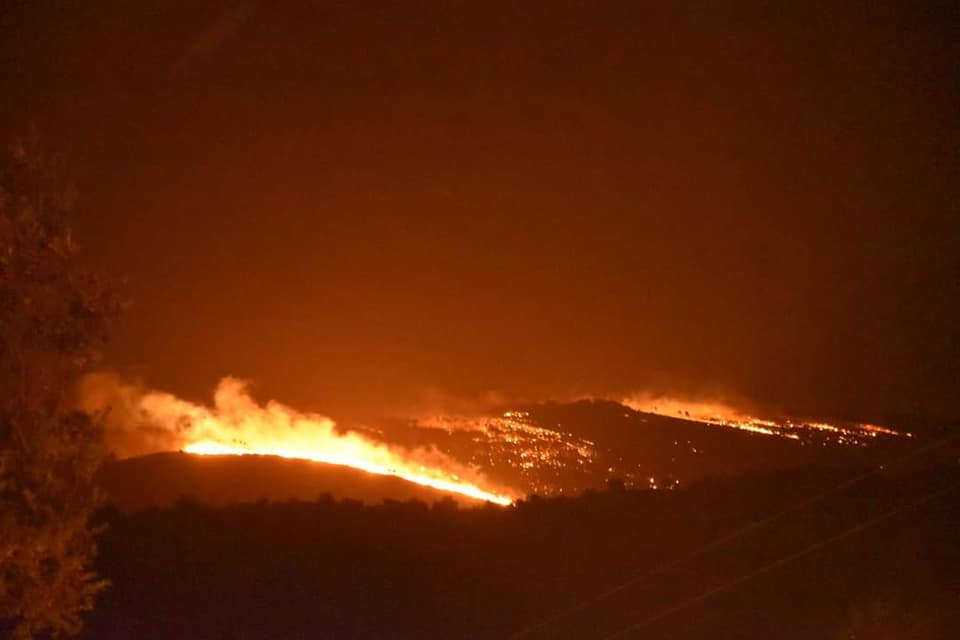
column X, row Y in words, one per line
column 139, row 421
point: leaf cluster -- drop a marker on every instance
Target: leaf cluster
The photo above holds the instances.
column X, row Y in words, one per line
column 54, row 321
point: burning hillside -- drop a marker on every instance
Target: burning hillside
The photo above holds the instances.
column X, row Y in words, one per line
column 237, row 425
column 571, row 447
column 545, row 449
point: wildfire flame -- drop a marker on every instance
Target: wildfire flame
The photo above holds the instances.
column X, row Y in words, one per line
column 720, row 414
column 238, row 425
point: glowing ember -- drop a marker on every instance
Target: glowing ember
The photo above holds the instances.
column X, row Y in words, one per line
column 725, row 416
column 546, row 450
column 237, row 425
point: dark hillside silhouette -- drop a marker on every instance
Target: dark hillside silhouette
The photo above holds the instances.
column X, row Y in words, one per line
column 161, row 479
column 334, row 569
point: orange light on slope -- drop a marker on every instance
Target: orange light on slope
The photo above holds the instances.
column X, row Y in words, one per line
column 237, row 425
column 210, row 448
column 719, row 414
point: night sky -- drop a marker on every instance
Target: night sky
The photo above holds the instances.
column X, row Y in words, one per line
column 373, row 207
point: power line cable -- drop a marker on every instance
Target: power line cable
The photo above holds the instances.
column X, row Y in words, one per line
column 776, row 564
column 730, row 537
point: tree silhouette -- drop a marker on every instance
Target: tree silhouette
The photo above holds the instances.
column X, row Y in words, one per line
column 53, row 322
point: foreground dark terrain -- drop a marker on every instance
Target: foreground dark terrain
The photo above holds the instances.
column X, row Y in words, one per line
column 340, row 569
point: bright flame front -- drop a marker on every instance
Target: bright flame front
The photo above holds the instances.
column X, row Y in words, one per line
column 723, row 415
column 237, row 425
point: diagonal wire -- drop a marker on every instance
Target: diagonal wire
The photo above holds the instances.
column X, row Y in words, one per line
column 722, row 540
column 776, row 564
